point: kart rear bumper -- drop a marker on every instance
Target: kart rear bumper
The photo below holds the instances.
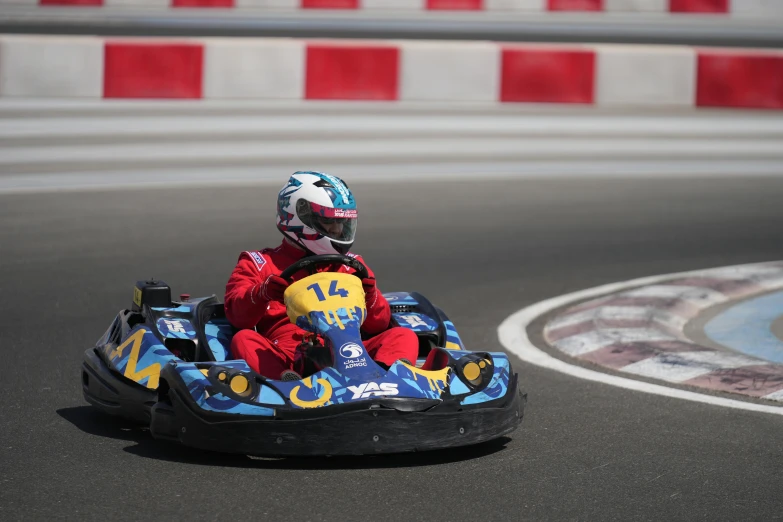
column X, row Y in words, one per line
column 357, row 432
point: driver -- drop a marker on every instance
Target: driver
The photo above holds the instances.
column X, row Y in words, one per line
column 316, row 213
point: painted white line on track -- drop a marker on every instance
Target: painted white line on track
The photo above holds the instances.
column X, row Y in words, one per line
column 513, row 336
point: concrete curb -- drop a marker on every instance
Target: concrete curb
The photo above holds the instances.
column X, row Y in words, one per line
column 641, row 331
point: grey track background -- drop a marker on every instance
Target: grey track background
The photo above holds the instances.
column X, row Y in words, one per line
column 482, row 250
column 640, row 28
column 56, row 144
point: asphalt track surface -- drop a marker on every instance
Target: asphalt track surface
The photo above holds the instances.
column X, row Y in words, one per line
column 480, row 249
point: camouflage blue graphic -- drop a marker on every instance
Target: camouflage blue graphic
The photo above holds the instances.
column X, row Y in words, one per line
column 293, row 182
column 284, row 199
column 456, row 386
column 199, row 385
column 452, row 337
column 351, row 358
column 400, row 298
column 219, row 333
column 330, row 387
column 267, row 395
column 416, row 322
column 400, row 381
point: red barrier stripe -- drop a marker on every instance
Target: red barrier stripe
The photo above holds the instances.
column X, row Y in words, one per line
column 85, row 3
column 330, row 4
column 202, row 3
column 727, row 79
column 547, row 75
column 152, row 70
column 699, row 6
column 575, row 5
column 455, row 5
column 352, row 72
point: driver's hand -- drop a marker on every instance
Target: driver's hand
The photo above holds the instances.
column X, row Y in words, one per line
column 274, row 288
column 370, row 291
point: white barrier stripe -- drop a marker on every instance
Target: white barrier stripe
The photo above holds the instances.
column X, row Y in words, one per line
column 639, row 75
column 266, row 68
column 515, row 5
column 644, row 6
column 756, row 8
column 449, row 71
column 397, row 5
column 59, row 66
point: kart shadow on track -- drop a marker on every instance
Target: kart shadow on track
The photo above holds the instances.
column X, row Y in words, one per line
column 93, row 422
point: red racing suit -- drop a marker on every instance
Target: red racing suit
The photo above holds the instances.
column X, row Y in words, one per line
column 268, row 340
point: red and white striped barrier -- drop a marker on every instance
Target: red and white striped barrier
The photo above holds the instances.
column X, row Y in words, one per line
column 215, row 68
column 756, row 8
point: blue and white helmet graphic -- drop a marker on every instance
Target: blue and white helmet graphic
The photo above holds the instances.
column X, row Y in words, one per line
column 318, row 212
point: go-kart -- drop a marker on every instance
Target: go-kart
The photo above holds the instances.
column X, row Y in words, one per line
column 167, row 364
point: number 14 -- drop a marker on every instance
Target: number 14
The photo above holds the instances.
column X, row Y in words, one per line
column 333, row 291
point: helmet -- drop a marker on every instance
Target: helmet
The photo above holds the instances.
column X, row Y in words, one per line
column 317, row 212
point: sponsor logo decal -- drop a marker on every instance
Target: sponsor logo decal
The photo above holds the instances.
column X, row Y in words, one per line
column 330, row 212
column 371, row 389
column 351, row 350
column 414, row 320
column 343, row 213
column 258, row 259
column 174, row 326
column 354, row 355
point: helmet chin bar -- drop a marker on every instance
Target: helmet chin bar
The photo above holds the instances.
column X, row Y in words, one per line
column 339, row 248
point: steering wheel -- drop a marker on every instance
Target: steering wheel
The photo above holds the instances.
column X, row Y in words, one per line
column 310, row 264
